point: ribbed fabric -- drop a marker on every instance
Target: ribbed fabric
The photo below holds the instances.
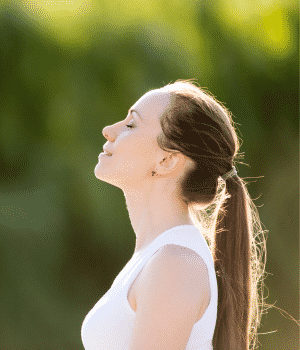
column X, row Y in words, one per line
column 109, row 324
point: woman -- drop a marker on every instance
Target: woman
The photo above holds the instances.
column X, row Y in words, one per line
column 187, row 286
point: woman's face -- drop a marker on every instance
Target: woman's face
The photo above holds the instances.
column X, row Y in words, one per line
column 133, row 144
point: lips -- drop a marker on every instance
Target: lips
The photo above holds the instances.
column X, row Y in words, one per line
column 103, row 154
column 107, row 152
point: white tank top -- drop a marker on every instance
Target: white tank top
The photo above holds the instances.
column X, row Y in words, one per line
column 109, row 324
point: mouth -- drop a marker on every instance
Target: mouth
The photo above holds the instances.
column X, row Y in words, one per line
column 104, row 154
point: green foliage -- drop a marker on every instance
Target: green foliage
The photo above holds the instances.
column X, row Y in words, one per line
column 66, row 73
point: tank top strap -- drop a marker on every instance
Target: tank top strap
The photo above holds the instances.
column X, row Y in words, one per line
column 184, row 235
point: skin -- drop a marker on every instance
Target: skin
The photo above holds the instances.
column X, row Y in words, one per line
column 152, row 201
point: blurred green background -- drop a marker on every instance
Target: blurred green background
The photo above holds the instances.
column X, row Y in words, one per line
column 68, row 69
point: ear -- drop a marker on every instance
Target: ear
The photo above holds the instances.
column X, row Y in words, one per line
column 174, row 161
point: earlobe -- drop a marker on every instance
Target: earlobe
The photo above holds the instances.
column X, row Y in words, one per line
column 173, row 161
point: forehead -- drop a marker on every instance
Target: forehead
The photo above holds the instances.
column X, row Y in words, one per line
column 151, row 105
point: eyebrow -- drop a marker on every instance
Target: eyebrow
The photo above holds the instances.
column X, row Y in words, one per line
column 133, row 110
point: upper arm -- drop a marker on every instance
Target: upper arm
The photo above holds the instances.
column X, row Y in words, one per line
column 169, row 299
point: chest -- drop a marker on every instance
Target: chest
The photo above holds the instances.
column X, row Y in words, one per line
column 136, row 286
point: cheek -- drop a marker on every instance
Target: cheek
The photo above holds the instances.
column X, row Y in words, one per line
column 138, row 161
column 145, row 155
column 139, row 150
column 143, row 145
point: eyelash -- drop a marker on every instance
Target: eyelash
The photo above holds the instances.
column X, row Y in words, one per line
column 129, row 126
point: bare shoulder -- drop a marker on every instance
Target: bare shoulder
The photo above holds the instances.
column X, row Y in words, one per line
column 188, row 257
column 169, row 299
column 175, row 266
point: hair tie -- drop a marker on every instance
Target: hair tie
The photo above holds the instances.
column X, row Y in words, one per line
column 230, row 173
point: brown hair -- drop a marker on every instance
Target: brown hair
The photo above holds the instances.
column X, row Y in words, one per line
column 200, row 127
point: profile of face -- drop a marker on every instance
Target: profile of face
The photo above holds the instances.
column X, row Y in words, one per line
column 133, row 144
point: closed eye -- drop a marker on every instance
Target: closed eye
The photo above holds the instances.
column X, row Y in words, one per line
column 129, row 126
